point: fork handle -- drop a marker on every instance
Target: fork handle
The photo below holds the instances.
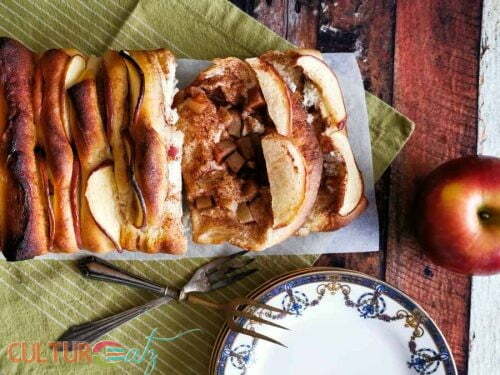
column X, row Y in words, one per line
column 90, row 332
column 194, row 299
column 96, row 268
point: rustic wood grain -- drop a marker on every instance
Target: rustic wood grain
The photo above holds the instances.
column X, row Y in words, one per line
column 365, row 28
column 485, row 296
column 297, row 25
column 274, row 16
column 436, row 85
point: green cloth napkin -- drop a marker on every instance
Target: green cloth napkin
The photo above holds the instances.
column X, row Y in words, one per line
column 39, row 299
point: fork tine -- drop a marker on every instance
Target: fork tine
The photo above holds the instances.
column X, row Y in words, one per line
column 253, row 303
column 235, row 327
column 215, row 265
column 232, row 279
column 250, row 316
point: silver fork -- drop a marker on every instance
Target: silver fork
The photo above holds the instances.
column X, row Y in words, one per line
column 211, row 276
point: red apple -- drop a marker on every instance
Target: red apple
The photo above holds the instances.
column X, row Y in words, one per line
column 458, row 220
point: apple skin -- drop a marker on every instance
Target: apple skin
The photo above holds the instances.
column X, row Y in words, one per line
column 458, row 215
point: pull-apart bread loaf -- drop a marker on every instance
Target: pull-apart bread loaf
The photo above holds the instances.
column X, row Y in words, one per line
column 266, row 151
column 89, row 154
column 252, row 164
column 91, row 151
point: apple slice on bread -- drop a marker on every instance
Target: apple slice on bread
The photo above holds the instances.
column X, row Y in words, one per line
column 101, row 194
column 276, row 95
column 331, row 102
column 286, row 170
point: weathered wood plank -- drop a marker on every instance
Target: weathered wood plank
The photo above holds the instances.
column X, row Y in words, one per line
column 302, row 26
column 485, row 296
column 435, row 84
column 274, row 15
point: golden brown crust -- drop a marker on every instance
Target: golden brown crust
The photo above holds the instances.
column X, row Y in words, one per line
column 26, row 224
column 50, row 146
column 93, row 151
column 150, row 149
column 115, row 93
column 154, row 166
column 57, row 149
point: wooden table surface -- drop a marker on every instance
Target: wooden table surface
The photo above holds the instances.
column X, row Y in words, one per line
column 423, row 57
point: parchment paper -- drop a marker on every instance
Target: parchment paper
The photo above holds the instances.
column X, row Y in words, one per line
column 360, row 236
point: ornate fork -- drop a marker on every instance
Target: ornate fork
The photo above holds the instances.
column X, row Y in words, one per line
column 213, row 275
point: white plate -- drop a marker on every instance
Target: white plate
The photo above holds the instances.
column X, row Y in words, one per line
column 340, row 323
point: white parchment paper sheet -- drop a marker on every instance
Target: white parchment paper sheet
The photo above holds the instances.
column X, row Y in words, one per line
column 360, row 236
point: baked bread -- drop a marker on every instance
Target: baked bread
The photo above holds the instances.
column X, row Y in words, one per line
column 89, row 153
column 57, row 70
column 24, row 216
column 341, row 196
column 148, row 151
column 252, row 164
column 93, row 153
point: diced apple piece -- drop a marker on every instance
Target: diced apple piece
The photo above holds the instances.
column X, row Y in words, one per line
column 250, row 190
column 244, row 215
column 102, row 197
column 203, row 203
column 235, row 161
column 222, row 150
column 276, row 95
column 231, row 120
column 234, row 129
column 259, row 209
column 255, row 100
column 353, row 181
column 245, row 146
column 332, row 103
column 286, row 171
